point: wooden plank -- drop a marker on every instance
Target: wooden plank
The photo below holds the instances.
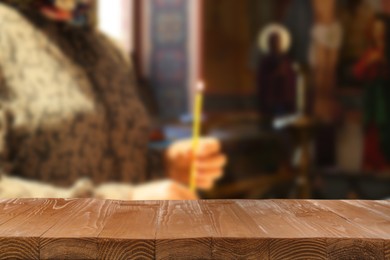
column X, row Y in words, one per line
column 322, row 221
column 383, row 209
column 24, row 230
column 274, row 220
column 355, row 249
column 184, row 231
column 238, row 236
column 372, row 221
column 297, row 248
column 380, row 207
column 130, row 231
column 272, row 229
column 76, row 237
column 315, row 225
column 19, row 248
column 344, row 239
column 288, row 237
column 24, row 247
column 9, row 208
column 30, row 224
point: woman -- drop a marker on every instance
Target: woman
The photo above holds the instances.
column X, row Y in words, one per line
column 72, row 124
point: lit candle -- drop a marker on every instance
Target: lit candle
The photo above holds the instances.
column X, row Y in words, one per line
column 197, row 117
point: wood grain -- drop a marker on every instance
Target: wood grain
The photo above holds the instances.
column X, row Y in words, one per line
column 362, row 249
column 76, row 236
column 15, row 213
column 371, row 218
column 270, row 229
column 184, row 231
column 238, row 236
column 129, row 232
column 290, row 237
column 19, row 248
column 326, row 223
column 374, row 222
column 275, row 221
column 302, row 248
column 10, row 208
column 331, row 223
column 381, row 207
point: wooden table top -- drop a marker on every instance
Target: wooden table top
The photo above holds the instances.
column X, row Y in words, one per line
column 267, row 229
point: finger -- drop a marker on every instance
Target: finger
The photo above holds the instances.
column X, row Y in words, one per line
column 209, row 146
column 180, row 148
column 210, row 174
column 208, row 179
column 205, row 184
column 214, row 162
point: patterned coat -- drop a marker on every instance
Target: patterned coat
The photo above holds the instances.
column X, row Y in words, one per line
column 69, row 106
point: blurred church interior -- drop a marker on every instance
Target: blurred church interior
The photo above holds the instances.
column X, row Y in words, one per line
column 295, row 89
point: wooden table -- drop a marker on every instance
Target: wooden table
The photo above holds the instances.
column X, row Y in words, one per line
column 271, row 229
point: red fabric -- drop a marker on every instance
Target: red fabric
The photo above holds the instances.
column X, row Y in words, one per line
column 373, row 156
column 56, row 14
column 359, row 70
column 368, row 69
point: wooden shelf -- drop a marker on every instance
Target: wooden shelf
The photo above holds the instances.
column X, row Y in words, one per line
column 270, row 229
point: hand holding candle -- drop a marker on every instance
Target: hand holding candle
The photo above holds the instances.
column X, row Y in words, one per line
column 208, row 162
column 197, row 162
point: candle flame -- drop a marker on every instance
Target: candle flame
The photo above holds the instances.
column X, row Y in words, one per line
column 200, row 86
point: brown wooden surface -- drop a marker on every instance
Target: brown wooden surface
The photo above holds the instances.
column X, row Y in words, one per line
column 178, row 219
column 130, row 231
column 248, row 229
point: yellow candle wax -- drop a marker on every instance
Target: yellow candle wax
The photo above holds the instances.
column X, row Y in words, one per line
column 197, row 117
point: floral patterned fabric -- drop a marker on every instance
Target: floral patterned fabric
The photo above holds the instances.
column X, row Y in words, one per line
column 69, row 106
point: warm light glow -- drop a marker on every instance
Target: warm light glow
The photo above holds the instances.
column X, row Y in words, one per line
column 200, row 86
column 115, row 21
